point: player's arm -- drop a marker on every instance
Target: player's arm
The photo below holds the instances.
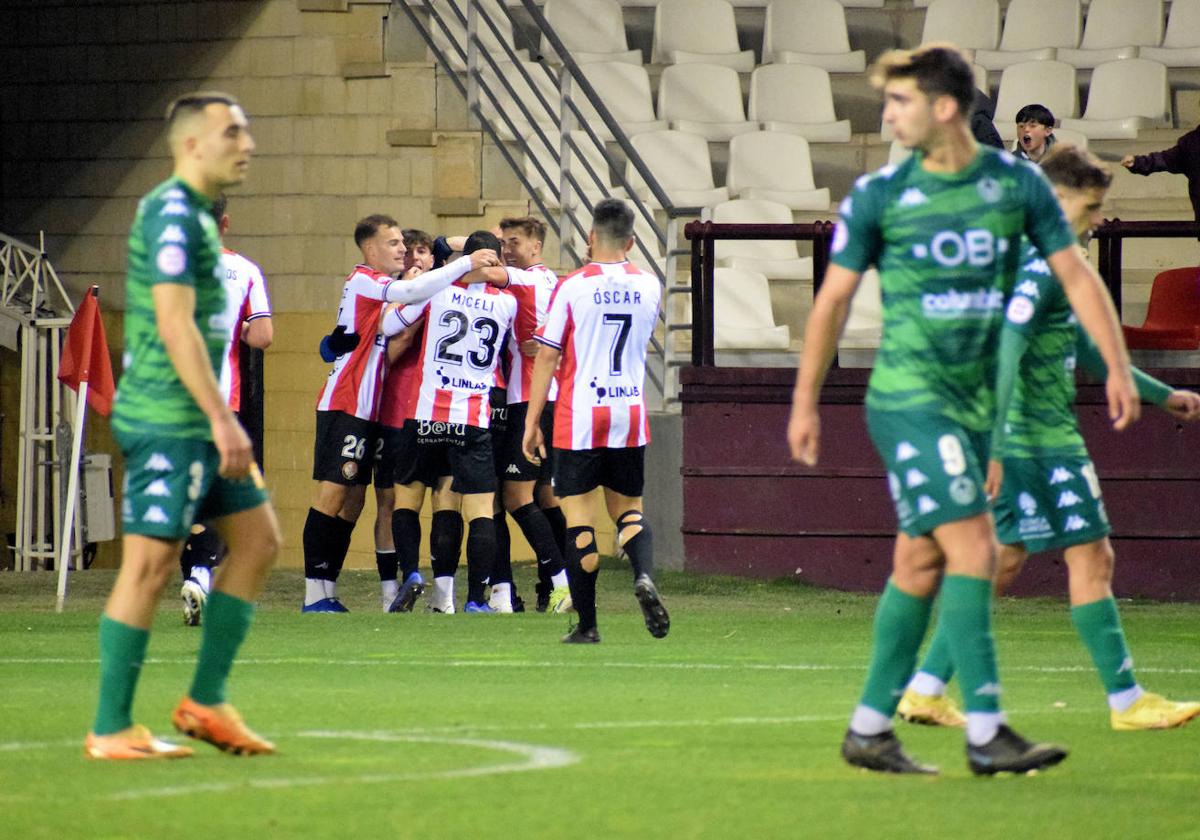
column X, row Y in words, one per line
column 1094, row 308
column 259, row 333
column 1013, row 344
column 533, row 443
column 258, row 330
column 1185, row 405
column 422, row 288
column 825, row 323
column 497, row 275
column 174, row 312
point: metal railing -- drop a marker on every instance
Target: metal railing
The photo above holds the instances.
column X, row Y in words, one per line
column 490, row 93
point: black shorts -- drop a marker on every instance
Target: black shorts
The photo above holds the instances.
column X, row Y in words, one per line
column 499, row 430
column 578, row 471
column 397, row 452
column 516, row 466
column 346, row 448
column 454, row 449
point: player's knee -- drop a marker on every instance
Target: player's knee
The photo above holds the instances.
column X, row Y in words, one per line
column 517, row 494
column 629, row 525
column 581, row 548
column 1092, row 562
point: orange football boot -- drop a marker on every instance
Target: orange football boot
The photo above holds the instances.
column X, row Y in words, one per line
column 219, row 725
column 132, row 744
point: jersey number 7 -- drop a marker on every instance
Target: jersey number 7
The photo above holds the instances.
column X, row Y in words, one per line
column 622, row 322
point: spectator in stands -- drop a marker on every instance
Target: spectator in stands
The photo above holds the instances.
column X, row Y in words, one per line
column 983, row 112
column 1181, row 159
column 1035, row 133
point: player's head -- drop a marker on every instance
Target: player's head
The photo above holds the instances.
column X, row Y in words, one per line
column 419, row 245
column 1035, row 125
column 612, row 227
column 481, row 240
column 210, row 140
column 924, row 90
column 1080, row 181
column 381, row 242
column 522, row 238
column 220, row 212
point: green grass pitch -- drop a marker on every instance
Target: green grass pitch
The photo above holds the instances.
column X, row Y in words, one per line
column 453, row 726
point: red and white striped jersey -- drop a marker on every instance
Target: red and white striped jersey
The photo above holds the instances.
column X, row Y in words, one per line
column 601, row 318
column 465, row 327
column 400, row 383
column 354, row 383
column 532, row 287
column 245, row 300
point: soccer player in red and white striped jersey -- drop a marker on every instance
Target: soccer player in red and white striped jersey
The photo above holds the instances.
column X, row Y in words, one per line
column 594, row 340
column 346, row 438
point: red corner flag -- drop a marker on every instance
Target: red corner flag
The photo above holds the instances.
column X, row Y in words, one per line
column 85, row 355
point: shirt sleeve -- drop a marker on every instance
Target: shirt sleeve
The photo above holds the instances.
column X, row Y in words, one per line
column 1027, row 305
column 1149, row 389
column 410, row 314
column 1045, row 224
column 173, row 241
column 551, row 333
column 259, row 303
column 425, row 286
column 856, row 238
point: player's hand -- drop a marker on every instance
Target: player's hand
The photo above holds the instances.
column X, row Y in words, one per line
column 1127, row 161
column 804, row 435
column 530, row 347
column 534, row 444
column 1184, row 405
column 412, row 273
column 484, row 258
column 995, row 477
column 233, row 445
column 1124, row 406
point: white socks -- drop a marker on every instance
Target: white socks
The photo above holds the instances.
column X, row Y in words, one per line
column 443, row 593
column 1119, row 701
column 203, row 576
column 927, row 684
column 388, row 590
column 982, row 727
column 559, row 579
column 316, row 589
column 867, row 721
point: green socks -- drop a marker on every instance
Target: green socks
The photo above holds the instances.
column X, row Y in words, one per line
column 966, row 624
column 122, row 649
column 1100, row 628
column 900, row 622
column 226, row 621
column 937, row 662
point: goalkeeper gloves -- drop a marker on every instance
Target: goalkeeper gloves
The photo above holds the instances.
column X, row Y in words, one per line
column 338, row 343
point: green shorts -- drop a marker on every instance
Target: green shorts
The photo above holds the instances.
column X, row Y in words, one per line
column 172, row 482
column 935, row 468
column 1048, row 502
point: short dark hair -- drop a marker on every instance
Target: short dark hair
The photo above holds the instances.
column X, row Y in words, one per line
column 531, row 226
column 479, row 240
column 1067, row 165
column 1035, row 113
column 414, row 237
column 367, row 227
column 938, row 69
column 612, row 220
column 194, row 103
column 219, row 206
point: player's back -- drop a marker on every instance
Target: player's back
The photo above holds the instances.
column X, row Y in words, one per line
column 245, row 300
column 532, row 287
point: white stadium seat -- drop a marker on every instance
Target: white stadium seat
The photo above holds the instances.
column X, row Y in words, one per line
column 593, row 30
column 1034, row 30
column 776, row 259
column 681, row 164
column 810, row 32
column 1125, row 96
column 864, row 323
column 704, row 99
column 774, row 166
column 506, row 102
column 796, row 99
column 583, row 146
column 969, row 24
column 625, row 91
column 1115, row 29
column 897, row 154
column 1049, row 83
column 1181, row 44
column 458, row 32
column 698, row 31
column 742, row 316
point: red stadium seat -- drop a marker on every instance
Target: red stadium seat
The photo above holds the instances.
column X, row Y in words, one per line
column 1173, row 317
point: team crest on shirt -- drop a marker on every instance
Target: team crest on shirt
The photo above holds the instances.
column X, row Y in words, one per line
column 1020, row 310
column 171, row 260
column 990, row 190
column 349, row 470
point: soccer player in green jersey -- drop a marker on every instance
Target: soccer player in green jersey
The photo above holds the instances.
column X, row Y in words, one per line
column 944, row 229
column 1049, row 497
column 186, row 456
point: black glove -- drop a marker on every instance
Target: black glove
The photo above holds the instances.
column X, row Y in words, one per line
column 341, row 342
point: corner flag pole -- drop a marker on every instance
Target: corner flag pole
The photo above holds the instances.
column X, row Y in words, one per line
column 72, row 495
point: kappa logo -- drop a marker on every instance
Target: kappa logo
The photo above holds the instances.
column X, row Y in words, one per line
column 1126, row 665
column 1027, row 288
column 1038, row 266
column 174, row 194
column 158, row 462
column 915, row 478
column 988, row 689
column 1060, row 475
column 173, row 234
column 1027, row 504
column 1068, row 498
column 158, row 487
column 512, row 469
column 155, row 515
column 174, row 208
column 905, row 451
column 927, row 505
column 1075, row 522
column 912, row 197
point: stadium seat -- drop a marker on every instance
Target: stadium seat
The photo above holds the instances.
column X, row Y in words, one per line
column 593, row 30
column 742, row 317
column 864, row 324
column 681, row 165
column 625, row 91
column 776, row 259
column 1114, row 30
column 776, row 167
column 582, row 146
column 698, row 31
column 969, row 24
column 1033, row 31
column 1173, row 316
column 1069, row 135
column 1124, row 96
column 704, row 99
column 796, row 99
column 538, row 79
column 897, row 154
column 1049, row 83
column 810, row 32
column 456, row 32
column 1181, row 44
